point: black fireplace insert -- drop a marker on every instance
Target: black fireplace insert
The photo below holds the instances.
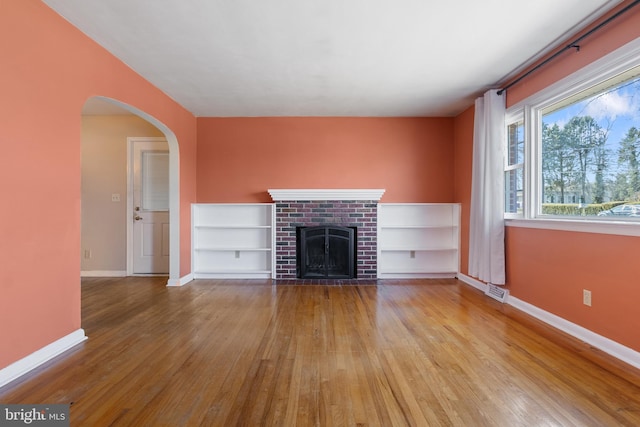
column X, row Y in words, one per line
column 326, row 252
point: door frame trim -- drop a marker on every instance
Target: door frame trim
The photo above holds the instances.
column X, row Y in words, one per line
column 130, row 141
column 176, row 239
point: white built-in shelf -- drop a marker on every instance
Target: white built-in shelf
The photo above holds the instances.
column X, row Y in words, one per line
column 418, row 240
column 232, row 248
column 232, row 226
column 233, row 274
column 233, row 240
column 416, row 226
column 418, row 248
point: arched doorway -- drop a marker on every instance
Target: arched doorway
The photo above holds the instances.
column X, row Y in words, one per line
column 103, row 106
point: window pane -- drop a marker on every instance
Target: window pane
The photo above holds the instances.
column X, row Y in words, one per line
column 155, row 181
column 513, row 191
column 591, row 153
column 515, row 143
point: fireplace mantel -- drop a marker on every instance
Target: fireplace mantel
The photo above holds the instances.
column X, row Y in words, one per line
column 325, row 194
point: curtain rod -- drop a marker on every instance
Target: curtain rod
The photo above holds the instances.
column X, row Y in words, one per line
column 573, row 45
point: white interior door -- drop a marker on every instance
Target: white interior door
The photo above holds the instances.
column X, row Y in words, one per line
column 150, row 214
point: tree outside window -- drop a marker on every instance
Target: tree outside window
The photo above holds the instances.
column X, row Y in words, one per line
column 590, row 152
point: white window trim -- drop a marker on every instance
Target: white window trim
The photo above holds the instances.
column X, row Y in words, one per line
column 585, row 226
column 609, row 66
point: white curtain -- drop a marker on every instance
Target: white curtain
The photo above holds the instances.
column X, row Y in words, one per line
column 486, row 228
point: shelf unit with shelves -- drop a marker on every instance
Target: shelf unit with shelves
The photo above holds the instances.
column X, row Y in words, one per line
column 418, row 240
column 233, row 240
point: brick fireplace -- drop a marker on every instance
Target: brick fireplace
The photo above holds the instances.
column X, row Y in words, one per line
column 309, row 208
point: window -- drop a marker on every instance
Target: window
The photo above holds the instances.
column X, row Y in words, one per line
column 514, row 167
column 573, row 149
column 590, row 150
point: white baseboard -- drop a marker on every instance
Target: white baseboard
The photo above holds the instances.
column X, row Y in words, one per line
column 416, row 275
column 600, row 342
column 238, row 275
column 103, row 273
column 473, row 282
column 37, row 358
column 181, row 281
column 118, row 273
column 605, row 344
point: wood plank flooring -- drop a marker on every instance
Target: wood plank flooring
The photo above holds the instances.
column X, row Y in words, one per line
column 399, row 353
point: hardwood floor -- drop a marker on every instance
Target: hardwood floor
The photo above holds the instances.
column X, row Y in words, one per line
column 419, row 353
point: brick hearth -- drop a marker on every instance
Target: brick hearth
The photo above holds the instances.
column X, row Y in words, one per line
column 362, row 214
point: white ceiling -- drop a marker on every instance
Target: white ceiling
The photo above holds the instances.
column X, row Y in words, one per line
column 327, row 57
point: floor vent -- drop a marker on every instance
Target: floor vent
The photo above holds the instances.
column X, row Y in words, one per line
column 497, row 292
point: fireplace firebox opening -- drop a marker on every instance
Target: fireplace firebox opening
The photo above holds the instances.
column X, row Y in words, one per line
column 326, row 252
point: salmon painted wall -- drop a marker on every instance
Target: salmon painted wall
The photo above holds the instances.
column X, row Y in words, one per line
column 240, row 158
column 614, row 35
column 49, row 69
column 463, row 157
column 549, row 269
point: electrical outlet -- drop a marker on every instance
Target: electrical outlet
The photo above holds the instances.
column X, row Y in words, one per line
column 115, row 197
column 586, row 297
column 87, row 254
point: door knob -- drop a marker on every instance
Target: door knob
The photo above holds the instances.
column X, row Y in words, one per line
column 137, row 217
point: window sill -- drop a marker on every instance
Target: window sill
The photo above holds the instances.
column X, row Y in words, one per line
column 621, row 228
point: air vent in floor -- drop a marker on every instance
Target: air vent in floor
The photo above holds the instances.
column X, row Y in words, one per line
column 497, row 292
